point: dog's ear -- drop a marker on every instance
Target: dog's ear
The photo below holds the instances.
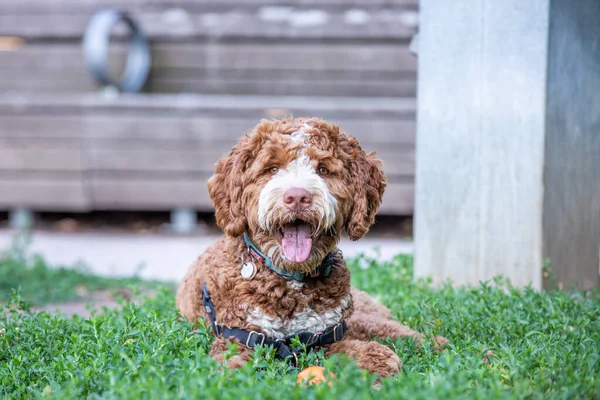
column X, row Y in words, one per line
column 225, row 188
column 368, row 182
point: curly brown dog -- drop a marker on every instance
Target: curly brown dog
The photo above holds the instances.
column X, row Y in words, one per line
column 283, row 196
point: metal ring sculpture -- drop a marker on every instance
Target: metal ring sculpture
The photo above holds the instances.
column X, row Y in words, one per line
column 95, row 47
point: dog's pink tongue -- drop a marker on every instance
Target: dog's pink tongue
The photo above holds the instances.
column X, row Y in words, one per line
column 296, row 242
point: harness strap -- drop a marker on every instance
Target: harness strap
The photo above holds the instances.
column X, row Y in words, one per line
column 283, row 347
column 209, row 307
column 253, row 339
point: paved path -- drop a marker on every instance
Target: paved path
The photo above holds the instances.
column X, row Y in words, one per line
column 153, row 256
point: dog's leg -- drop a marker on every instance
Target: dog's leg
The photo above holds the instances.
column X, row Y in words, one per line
column 372, row 319
column 371, row 356
column 365, row 304
column 365, row 327
column 219, row 348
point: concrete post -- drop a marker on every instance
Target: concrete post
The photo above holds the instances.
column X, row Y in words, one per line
column 508, row 141
column 183, row 220
column 21, row 219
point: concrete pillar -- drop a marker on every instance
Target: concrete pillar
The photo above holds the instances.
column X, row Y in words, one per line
column 183, row 220
column 508, row 141
column 21, row 219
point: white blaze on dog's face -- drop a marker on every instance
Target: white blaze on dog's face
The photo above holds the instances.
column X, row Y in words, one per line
column 298, row 179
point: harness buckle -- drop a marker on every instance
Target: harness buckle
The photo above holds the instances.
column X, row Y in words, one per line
column 250, row 333
column 314, row 340
column 283, row 350
column 342, row 327
column 205, row 294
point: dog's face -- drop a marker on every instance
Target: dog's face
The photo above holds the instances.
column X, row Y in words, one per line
column 294, row 185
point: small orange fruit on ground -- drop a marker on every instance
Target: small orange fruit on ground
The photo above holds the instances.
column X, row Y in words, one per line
column 314, row 375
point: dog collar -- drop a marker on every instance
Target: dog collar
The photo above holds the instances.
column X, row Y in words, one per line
column 322, row 270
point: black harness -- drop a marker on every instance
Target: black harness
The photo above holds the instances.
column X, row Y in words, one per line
column 283, row 347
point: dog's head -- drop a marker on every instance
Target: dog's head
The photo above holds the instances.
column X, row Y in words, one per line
column 294, row 185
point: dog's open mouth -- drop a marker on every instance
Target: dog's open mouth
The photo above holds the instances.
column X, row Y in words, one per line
column 296, row 241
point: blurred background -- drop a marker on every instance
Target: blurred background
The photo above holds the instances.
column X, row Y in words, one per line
column 119, row 179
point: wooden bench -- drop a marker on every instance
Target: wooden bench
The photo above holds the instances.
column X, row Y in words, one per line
column 218, row 67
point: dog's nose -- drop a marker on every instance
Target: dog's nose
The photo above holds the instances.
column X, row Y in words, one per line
column 297, row 199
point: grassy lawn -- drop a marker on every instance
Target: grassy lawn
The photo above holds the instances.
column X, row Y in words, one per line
column 39, row 284
column 506, row 343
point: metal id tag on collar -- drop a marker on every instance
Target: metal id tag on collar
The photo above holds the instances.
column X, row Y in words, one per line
column 248, row 270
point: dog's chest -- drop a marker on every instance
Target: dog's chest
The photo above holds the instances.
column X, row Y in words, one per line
column 306, row 320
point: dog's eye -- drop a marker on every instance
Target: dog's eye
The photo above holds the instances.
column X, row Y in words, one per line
column 322, row 170
column 273, row 170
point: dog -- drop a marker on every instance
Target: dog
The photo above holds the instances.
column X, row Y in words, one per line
column 283, row 196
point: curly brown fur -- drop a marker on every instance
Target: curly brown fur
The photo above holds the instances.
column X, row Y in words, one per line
column 248, row 188
column 372, row 319
column 372, row 356
column 219, row 348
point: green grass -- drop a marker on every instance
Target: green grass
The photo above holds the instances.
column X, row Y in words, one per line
column 546, row 346
column 39, row 284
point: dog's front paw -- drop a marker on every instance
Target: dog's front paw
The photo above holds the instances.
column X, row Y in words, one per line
column 440, row 343
column 220, row 348
column 371, row 356
column 236, row 362
column 378, row 359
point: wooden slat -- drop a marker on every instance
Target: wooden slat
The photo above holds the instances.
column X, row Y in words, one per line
column 39, row 143
column 285, row 87
column 51, row 127
column 147, row 131
column 20, row 159
column 44, row 194
column 269, row 69
column 130, row 193
column 152, row 194
column 398, row 199
column 275, row 75
column 132, row 159
column 45, row 6
column 151, row 131
column 292, row 57
column 23, row 81
column 179, row 154
column 82, row 77
column 379, row 24
column 52, row 67
column 141, row 194
column 397, row 161
column 402, row 142
column 338, row 58
column 211, row 105
column 38, row 58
